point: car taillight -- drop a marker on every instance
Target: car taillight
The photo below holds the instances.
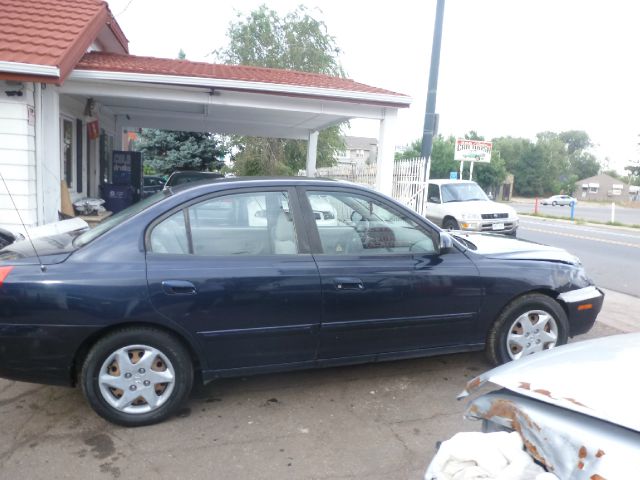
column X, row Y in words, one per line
column 4, row 272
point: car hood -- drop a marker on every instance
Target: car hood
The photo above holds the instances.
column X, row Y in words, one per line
column 502, row 247
column 478, row 206
column 591, row 377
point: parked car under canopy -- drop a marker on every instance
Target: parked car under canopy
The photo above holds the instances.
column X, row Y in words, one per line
column 242, row 276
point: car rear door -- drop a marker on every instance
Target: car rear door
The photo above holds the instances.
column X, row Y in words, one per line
column 235, row 269
column 385, row 288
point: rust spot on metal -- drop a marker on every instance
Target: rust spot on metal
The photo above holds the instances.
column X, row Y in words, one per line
column 582, row 453
column 508, row 410
column 473, row 384
column 525, row 385
column 597, row 477
column 575, row 402
column 580, row 465
column 546, row 393
column 599, row 453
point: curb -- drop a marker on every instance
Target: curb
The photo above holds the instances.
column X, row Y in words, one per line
column 586, row 223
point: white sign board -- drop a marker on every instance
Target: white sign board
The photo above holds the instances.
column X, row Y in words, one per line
column 472, row 151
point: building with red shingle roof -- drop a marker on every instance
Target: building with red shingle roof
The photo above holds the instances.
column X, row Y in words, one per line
column 70, row 90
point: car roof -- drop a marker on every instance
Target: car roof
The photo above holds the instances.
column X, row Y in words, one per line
column 443, row 181
column 592, row 377
column 205, row 184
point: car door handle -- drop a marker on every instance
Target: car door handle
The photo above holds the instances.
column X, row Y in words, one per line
column 178, row 287
column 348, row 283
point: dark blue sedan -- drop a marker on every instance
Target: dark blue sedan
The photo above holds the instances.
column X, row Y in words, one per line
column 242, row 276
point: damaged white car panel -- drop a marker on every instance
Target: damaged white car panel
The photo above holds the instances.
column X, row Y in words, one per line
column 575, row 407
column 569, row 444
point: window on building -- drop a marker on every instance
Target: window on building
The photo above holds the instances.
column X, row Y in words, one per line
column 106, row 152
column 68, row 151
column 616, row 190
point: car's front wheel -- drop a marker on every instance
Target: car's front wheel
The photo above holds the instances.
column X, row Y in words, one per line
column 137, row 376
column 529, row 324
column 450, row 224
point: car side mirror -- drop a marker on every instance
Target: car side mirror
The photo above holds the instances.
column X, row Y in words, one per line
column 446, row 242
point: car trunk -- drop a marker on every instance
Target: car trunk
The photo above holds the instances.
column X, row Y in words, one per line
column 50, row 250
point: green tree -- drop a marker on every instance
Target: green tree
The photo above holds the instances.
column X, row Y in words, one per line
column 296, row 41
column 634, row 173
column 491, row 175
column 613, row 173
column 575, row 140
column 550, row 165
column 442, row 162
column 164, row 151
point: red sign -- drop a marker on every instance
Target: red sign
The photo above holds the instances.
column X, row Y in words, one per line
column 93, row 130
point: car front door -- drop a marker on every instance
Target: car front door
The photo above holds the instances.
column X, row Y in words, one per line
column 385, row 287
column 236, row 271
column 434, row 210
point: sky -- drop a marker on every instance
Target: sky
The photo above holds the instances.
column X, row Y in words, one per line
column 507, row 68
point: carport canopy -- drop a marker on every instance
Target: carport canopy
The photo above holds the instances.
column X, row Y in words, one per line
column 145, row 92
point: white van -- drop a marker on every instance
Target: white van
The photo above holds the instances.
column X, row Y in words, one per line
column 462, row 205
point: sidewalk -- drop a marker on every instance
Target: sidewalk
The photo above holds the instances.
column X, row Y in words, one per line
column 620, row 311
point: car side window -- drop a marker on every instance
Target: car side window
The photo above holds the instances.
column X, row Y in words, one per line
column 352, row 224
column 237, row 224
column 170, row 236
column 433, row 193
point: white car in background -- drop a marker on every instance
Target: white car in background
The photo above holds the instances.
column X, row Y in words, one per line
column 559, row 200
column 463, row 205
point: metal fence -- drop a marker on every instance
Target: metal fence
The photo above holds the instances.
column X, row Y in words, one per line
column 360, row 174
column 408, row 179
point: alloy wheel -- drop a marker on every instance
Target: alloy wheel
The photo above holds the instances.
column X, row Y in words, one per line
column 531, row 332
column 136, row 379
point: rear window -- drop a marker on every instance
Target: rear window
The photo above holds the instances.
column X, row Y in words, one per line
column 118, row 218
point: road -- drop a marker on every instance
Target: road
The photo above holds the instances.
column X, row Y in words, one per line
column 611, row 256
column 586, row 211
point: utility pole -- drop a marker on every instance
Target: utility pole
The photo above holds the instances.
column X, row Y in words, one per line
column 430, row 113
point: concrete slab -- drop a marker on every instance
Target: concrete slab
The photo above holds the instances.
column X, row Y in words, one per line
column 620, row 311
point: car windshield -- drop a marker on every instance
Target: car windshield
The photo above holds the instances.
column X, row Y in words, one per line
column 462, row 192
column 118, row 218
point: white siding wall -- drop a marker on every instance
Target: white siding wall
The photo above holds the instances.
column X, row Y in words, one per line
column 50, row 153
column 17, row 157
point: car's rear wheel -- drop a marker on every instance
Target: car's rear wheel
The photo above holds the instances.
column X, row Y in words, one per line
column 450, row 224
column 137, row 376
column 529, row 324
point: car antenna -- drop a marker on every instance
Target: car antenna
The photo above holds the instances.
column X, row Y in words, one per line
column 42, row 267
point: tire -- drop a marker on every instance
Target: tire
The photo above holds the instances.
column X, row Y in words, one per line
column 119, row 354
column 509, row 338
column 554, row 203
column 450, row 224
